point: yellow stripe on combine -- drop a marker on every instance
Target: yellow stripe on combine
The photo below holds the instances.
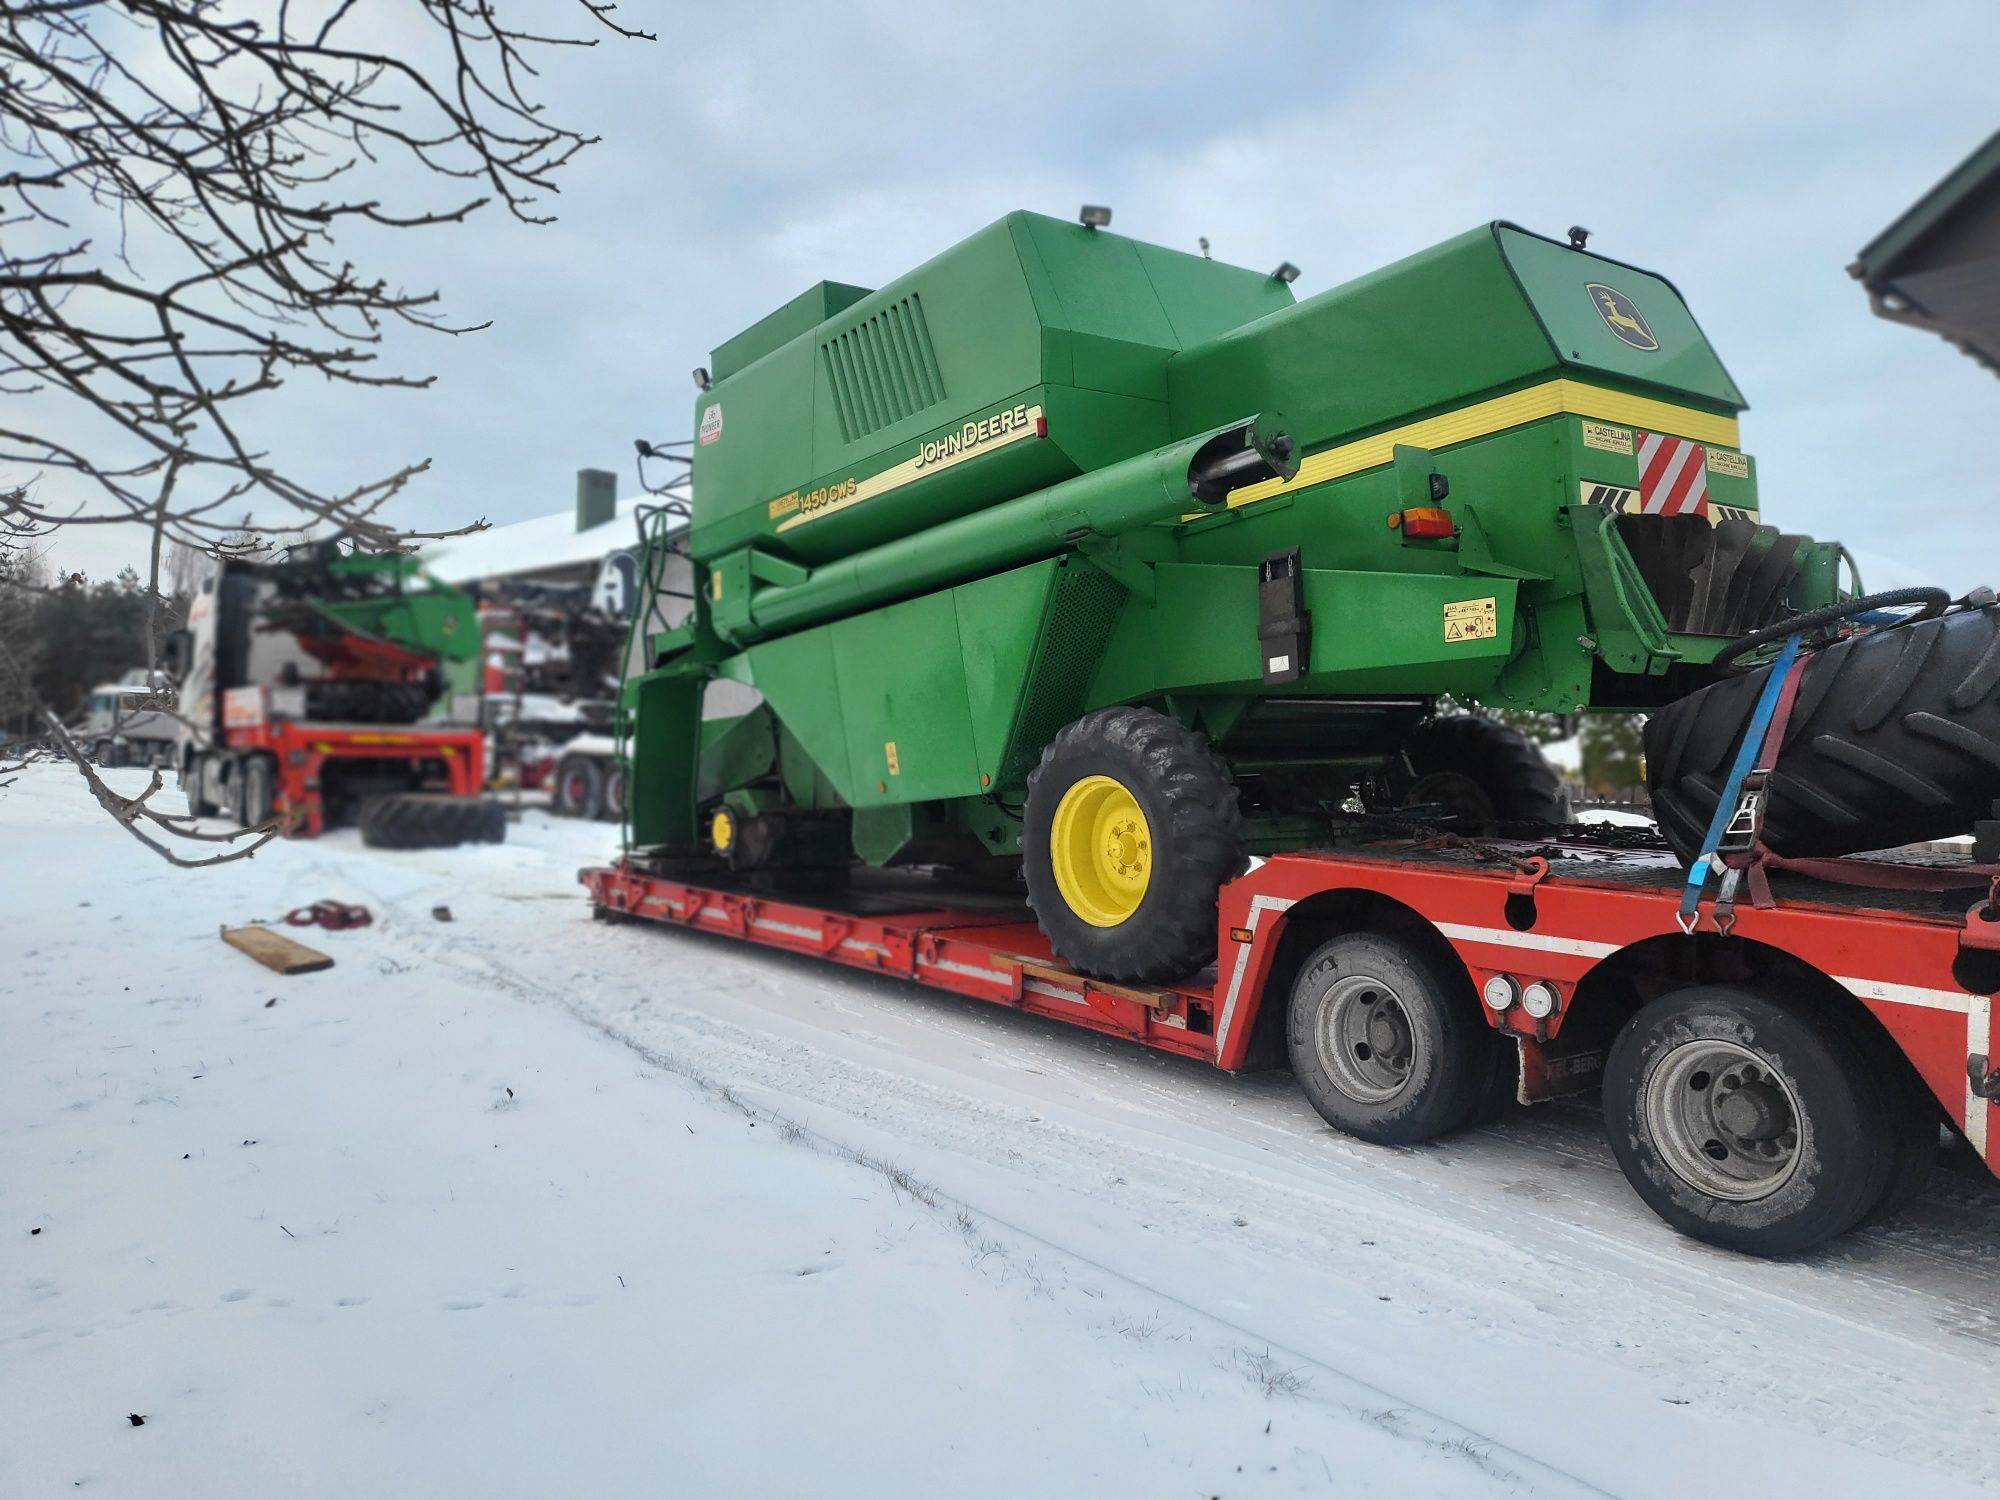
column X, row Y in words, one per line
column 1553, row 398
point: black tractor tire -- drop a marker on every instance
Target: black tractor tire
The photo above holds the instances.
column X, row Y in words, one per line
column 1190, row 810
column 1894, row 739
column 578, row 788
column 1489, row 775
column 611, row 806
column 257, row 796
column 1816, row 1152
column 1387, row 1040
column 364, row 701
column 426, row 820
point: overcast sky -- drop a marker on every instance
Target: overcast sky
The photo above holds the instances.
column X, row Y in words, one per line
column 1744, row 151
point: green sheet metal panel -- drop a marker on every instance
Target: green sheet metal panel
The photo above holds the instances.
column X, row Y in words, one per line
column 1595, row 333
column 900, row 674
column 1430, row 331
column 1000, row 621
column 1371, row 632
column 795, row 673
column 775, row 329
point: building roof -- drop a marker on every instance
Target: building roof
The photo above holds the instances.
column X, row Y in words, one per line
column 1938, row 265
column 547, row 544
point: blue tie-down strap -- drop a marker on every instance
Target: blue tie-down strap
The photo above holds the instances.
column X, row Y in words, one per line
column 1746, row 757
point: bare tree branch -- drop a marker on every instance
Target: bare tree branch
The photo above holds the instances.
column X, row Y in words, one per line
column 174, row 177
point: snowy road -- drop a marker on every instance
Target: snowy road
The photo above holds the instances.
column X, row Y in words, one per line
column 1133, row 1262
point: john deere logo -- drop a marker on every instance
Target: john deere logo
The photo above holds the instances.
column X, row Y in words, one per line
column 1621, row 316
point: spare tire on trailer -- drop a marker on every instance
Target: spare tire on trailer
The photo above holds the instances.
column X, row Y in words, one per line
column 1487, row 774
column 426, row 820
column 1894, row 738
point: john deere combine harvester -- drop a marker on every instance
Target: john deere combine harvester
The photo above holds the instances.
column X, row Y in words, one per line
column 1080, row 550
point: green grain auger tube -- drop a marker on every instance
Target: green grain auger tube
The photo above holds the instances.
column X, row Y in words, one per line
column 1117, row 561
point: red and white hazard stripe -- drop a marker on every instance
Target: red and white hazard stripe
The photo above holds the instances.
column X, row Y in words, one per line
column 1673, row 476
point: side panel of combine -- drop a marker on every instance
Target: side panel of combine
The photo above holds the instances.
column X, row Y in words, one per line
column 918, row 701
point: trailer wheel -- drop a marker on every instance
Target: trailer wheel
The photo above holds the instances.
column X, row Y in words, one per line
column 1744, row 1123
column 1386, row 1039
column 257, row 791
column 1482, row 772
column 611, row 807
column 1130, row 829
column 194, row 789
column 427, row 820
column 579, row 788
column 1914, row 1137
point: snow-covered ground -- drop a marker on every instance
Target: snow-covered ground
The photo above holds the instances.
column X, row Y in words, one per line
column 520, row 1204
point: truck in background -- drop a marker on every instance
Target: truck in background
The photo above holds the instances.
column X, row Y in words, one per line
column 129, row 722
column 334, row 687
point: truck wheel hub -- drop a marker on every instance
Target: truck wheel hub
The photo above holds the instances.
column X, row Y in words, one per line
column 1101, row 850
column 1723, row 1119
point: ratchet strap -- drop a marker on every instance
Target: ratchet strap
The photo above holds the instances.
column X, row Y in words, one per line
column 1739, row 811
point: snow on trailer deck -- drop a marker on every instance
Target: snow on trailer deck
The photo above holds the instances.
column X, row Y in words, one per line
column 323, row 1250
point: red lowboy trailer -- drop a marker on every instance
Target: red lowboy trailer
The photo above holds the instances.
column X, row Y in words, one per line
column 1767, row 1083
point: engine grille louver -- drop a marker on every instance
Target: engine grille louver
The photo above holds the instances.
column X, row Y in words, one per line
column 1727, row 579
column 882, row 370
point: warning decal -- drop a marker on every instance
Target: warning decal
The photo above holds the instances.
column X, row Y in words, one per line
column 1471, row 620
column 1618, row 498
column 1673, row 476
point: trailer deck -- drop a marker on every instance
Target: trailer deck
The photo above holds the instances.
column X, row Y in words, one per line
column 1570, row 915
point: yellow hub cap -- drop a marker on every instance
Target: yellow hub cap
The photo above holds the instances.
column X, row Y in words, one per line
column 1102, row 851
column 721, row 830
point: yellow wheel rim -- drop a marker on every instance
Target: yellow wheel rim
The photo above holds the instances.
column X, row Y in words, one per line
column 721, row 830
column 1102, row 851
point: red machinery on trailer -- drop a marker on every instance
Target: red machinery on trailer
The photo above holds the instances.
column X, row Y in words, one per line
column 1770, row 1079
column 297, row 751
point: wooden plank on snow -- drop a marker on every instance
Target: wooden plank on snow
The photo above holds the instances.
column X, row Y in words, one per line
column 276, row 951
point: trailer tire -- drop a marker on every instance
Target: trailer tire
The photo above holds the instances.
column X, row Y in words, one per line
column 1894, row 739
column 426, row 820
column 1914, row 1137
column 1488, row 774
column 256, row 782
column 1142, row 906
column 1386, row 1038
column 611, row 807
column 193, row 787
column 579, row 787
column 1748, row 1124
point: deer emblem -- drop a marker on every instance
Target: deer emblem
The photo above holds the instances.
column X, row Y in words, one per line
column 1622, row 318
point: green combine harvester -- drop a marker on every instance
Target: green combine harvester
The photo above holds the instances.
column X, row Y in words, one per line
column 1117, row 561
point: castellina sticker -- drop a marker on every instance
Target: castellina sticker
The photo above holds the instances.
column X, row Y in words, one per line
column 1471, row 620
column 1606, row 438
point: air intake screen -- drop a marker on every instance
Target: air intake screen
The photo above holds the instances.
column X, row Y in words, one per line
column 882, row 370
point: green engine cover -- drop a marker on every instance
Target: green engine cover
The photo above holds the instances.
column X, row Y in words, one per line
column 1033, row 351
